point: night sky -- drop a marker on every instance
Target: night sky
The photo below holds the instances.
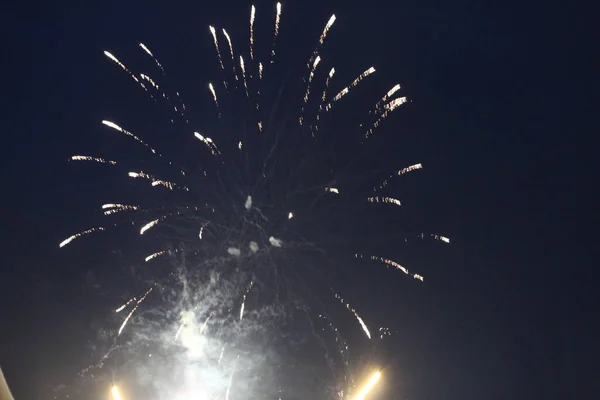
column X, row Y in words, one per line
column 501, row 117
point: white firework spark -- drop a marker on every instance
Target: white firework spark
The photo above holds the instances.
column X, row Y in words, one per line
column 267, row 163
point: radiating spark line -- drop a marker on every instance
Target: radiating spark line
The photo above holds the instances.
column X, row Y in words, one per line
column 151, row 82
column 118, row 310
column 242, row 309
column 353, row 311
column 395, row 265
column 216, row 42
column 231, row 51
column 78, row 235
column 311, row 76
column 354, row 83
column 326, row 29
column 149, row 225
column 214, row 94
column 202, row 230
column 276, row 33
column 324, row 95
column 231, row 378
column 244, row 300
column 208, row 142
column 95, row 159
column 179, row 330
column 385, row 98
column 308, row 85
column 154, row 255
column 203, row 327
column 260, row 71
column 389, row 107
column 126, row 132
column 147, row 50
column 368, row 386
column 120, row 64
column 438, row 237
column 388, row 200
column 403, row 171
column 132, row 311
column 252, row 15
column 115, row 208
column 243, row 68
column 221, row 355
column 409, row 169
column 156, row 182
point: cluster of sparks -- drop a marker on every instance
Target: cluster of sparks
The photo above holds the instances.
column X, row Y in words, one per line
column 241, row 78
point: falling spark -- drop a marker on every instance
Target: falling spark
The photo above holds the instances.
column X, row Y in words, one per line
column 243, row 68
column 276, row 33
column 240, row 145
column 234, row 251
column 154, row 255
column 332, row 190
column 275, row 242
column 132, row 311
column 388, row 200
column 252, row 15
column 248, row 203
column 290, row 215
column 253, row 247
column 95, row 159
column 77, row 235
column 260, row 70
column 120, row 64
column 364, row 391
column 231, row 51
column 115, row 208
column 208, row 142
column 353, row 311
column 126, row 132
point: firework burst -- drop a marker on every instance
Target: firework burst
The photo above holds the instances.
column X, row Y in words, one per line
column 254, row 227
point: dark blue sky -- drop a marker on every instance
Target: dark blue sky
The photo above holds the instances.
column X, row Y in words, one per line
column 503, row 97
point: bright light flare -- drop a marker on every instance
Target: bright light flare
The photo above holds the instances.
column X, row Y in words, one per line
column 114, row 391
column 364, row 391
